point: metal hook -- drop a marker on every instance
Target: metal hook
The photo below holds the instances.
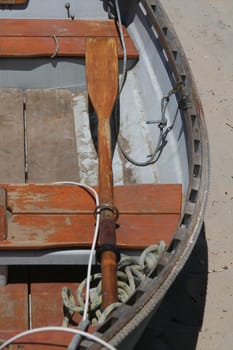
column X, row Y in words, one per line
column 67, row 6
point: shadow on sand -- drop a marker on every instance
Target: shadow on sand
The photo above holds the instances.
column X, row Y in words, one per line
column 178, row 320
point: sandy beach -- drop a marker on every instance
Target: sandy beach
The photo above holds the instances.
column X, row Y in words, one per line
column 197, row 313
column 205, row 29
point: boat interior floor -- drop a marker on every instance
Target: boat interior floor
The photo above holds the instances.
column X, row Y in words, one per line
column 45, row 138
column 40, row 146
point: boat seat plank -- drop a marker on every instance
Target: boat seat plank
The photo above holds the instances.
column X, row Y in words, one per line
column 51, row 148
column 11, row 2
column 11, row 136
column 39, row 341
column 52, row 216
column 44, row 37
column 53, row 199
column 54, row 340
column 14, row 309
column 46, row 300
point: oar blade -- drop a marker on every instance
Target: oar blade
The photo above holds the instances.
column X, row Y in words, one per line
column 102, row 74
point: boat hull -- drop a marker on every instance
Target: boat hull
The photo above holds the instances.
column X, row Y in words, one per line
column 161, row 71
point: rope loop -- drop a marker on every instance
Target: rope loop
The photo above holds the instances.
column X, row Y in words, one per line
column 56, row 47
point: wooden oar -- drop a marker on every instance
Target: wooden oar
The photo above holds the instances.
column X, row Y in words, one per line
column 102, row 83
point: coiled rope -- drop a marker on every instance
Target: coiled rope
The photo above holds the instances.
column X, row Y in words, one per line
column 131, row 272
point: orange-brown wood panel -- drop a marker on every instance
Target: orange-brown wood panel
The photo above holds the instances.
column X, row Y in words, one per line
column 46, row 300
column 146, row 199
column 25, row 37
column 130, row 199
column 60, row 27
column 31, row 231
column 42, row 341
column 140, row 231
column 15, row 2
column 47, row 47
column 46, row 310
column 14, row 309
column 42, row 198
column 47, row 305
column 62, row 216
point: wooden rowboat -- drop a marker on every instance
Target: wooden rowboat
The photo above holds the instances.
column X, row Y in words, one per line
column 104, row 170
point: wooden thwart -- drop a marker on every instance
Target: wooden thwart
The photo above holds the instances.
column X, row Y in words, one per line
column 13, row 2
column 51, row 216
column 47, row 37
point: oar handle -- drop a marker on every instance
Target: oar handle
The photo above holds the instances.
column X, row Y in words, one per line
column 109, row 278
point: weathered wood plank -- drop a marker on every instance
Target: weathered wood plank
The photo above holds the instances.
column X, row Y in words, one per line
column 58, row 27
column 130, row 199
column 31, row 231
column 50, row 136
column 40, row 341
column 15, row 2
column 14, row 308
column 11, row 136
column 46, row 47
column 20, row 37
column 62, row 216
column 47, row 305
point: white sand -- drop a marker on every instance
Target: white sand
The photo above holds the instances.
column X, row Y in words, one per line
column 205, row 29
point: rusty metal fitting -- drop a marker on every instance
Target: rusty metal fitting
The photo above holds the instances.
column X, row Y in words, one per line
column 110, row 207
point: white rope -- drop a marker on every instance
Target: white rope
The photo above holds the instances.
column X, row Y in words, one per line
column 59, row 329
column 95, row 237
